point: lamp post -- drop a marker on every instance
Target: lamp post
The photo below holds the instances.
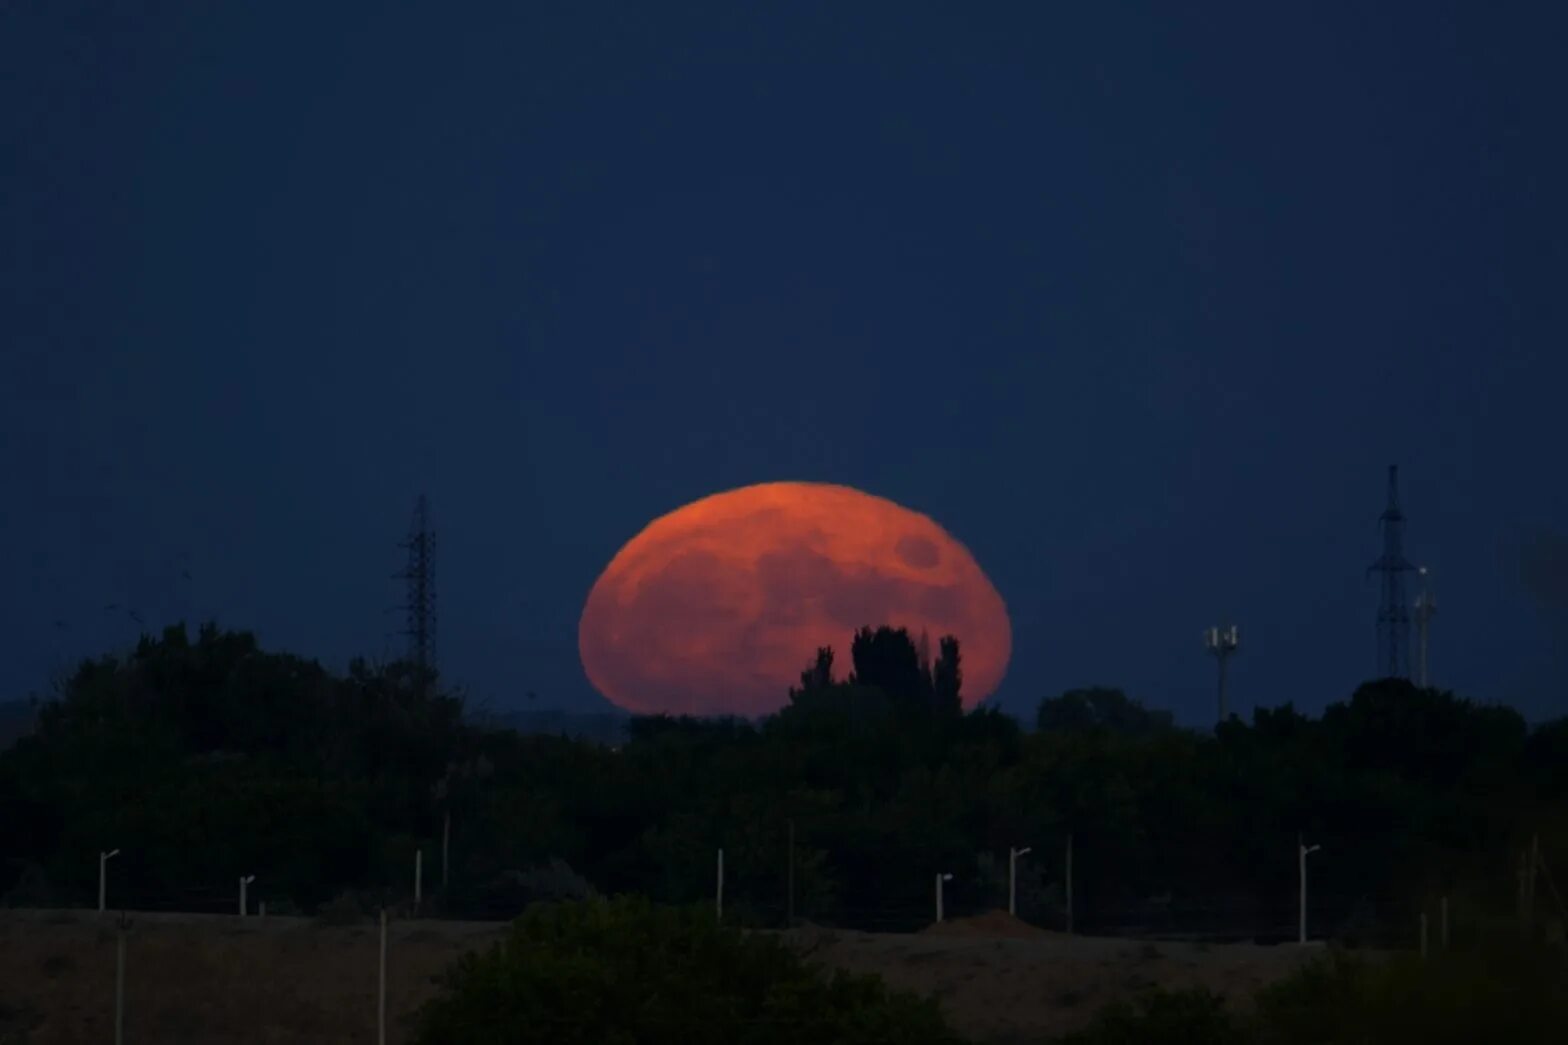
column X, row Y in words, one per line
column 243, row 883
column 1302, row 851
column 381, row 985
column 103, row 874
column 446, row 845
column 1012, row 879
column 939, row 880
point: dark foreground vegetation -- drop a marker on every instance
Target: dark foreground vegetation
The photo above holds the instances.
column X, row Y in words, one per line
column 622, row 970
column 1513, row 994
column 206, row 758
column 625, row 971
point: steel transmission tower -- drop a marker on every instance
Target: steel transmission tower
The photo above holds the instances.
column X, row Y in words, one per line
column 1393, row 619
column 1426, row 609
column 1222, row 642
column 420, row 607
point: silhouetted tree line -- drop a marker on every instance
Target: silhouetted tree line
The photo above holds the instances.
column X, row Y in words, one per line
column 206, row 758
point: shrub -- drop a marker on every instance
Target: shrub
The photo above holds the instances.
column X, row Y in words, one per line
column 347, row 908
column 1190, row 1017
column 554, row 881
column 32, row 888
column 623, row 971
column 1513, row 994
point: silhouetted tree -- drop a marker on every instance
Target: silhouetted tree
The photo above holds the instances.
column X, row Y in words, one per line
column 887, row 659
column 1100, row 708
column 947, row 678
column 819, row 675
column 322, row 781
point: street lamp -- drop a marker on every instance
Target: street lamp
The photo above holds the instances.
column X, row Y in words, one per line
column 939, row 880
column 1012, row 879
column 243, row 883
column 1302, row 851
column 103, row 873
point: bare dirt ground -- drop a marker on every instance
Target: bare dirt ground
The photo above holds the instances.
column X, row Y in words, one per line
column 1003, row 981
column 214, row 979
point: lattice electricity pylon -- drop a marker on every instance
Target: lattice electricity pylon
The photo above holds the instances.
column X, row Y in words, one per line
column 420, row 607
column 1393, row 618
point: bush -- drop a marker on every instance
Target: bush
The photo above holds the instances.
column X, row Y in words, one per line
column 347, row 908
column 1189, row 1017
column 1513, row 994
column 553, row 881
column 623, row 971
column 31, row 888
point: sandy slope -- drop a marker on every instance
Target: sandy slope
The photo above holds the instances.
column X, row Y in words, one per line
column 212, row 979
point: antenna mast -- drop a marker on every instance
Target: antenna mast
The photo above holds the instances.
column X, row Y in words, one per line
column 1222, row 642
column 1426, row 609
column 1393, row 619
column 420, row 576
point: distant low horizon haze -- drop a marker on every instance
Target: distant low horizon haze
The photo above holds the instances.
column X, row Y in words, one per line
column 1137, row 302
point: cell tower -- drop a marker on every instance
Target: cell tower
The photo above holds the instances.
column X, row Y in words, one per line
column 420, row 576
column 1426, row 609
column 1393, row 619
column 1222, row 642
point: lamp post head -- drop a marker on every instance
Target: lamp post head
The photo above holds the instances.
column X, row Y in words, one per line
column 112, row 852
column 247, row 879
column 947, row 878
column 1310, row 849
column 1021, row 852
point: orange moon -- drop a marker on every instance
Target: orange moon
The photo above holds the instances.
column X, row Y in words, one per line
column 717, row 607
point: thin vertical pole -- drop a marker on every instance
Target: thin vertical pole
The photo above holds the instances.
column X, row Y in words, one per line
column 718, row 900
column 1012, row 882
column 789, row 913
column 103, row 872
column 1443, row 924
column 446, row 839
column 1301, row 862
column 1423, row 934
column 419, row 877
column 1422, row 623
column 119, row 986
column 1223, row 658
column 1069, row 882
column 381, row 985
column 939, row 898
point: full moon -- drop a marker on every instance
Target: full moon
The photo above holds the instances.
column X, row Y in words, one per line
column 717, row 607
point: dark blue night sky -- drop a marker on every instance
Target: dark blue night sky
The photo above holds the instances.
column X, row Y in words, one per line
column 1138, row 301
